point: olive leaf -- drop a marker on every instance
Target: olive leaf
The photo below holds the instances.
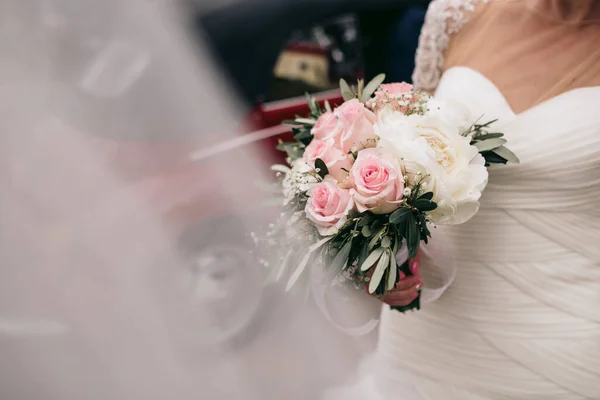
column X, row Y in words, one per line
column 376, row 237
column 400, row 215
column 386, row 242
column 361, row 86
column 347, row 92
column 507, row 154
column 382, row 265
column 372, row 258
column 305, row 121
column 425, row 205
column 365, row 220
column 321, row 167
column 392, row 274
column 341, row 258
column 492, row 158
column 413, row 236
column 364, row 253
column 426, row 196
column 372, row 87
column 485, row 136
column 490, row 144
column 366, row 231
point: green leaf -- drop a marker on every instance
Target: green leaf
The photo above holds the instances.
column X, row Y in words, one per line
column 490, row 144
column 485, row 136
column 327, row 106
column 371, row 259
column 386, row 242
column 312, row 104
column 347, row 95
column 507, row 154
column 321, row 167
column 365, row 220
column 353, row 214
column 487, row 124
column 303, row 134
column 347, row 92
column 392, row 274
column 425, row 205
column 361, row 86
column 397, row 243
column 400, row 215
column 492, row 158
column 413, row 236
column 382, row 265
column 341, row 258
column 305, row 121
column 372, row 87
column 425, row 233
column 366, row 231
column 376, row 237
column 364, row 253
column 377, row 223
column 426, row 196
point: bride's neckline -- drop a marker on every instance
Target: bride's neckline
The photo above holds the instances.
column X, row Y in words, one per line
column 485, row 80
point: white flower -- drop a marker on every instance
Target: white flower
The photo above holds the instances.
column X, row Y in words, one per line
column 452, row 113
column 298, row 179
column 450, row 167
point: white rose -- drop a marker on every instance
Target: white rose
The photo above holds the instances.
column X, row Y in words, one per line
column 452, row 113
column 433, row 146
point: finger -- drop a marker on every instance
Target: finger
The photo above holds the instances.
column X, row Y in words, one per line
column 401, row 295
column 407, row 283
column 403, row 300
column 415, row 264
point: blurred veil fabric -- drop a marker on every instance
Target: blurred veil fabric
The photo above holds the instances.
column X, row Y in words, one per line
column 98, row 299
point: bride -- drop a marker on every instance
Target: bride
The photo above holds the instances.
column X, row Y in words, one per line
column 522, row 318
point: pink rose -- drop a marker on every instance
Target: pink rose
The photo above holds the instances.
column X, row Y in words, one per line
column 388, row 96
column 326, row 127
column 377, row 182
column 397, row 88
column 338, row 163
column 357, row 125
column 328, row 206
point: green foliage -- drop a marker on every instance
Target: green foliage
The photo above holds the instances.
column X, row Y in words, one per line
column 490, row 144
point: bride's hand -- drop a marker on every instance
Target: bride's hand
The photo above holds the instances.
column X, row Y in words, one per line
column 407, row 288
column 404, row 293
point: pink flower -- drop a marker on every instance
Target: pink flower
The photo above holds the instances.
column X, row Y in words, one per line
column 328, row 206
column 377, row 182
column 389, row 96
column 327, row 127
column 397, row 88
column 338, row 163
column 357, row 125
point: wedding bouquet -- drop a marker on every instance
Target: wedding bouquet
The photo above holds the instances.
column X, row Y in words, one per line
column 367, row 179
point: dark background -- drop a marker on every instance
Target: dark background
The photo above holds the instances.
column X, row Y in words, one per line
column 247, row 37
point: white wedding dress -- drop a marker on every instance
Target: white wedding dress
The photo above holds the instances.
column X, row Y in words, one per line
column 521, row 320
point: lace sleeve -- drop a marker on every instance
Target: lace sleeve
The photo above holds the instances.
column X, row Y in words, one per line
column 443, row 18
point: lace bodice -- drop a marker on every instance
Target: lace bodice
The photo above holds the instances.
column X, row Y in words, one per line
column 443, row 19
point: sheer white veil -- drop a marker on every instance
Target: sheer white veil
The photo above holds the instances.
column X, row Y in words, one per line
column 125, row 272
